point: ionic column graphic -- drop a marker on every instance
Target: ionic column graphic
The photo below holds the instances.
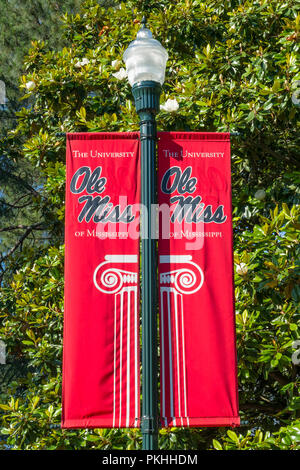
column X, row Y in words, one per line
column 182, row 277
column 110, row 277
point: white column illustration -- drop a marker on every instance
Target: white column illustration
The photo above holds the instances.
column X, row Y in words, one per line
column 118, row 275
column 182, row 277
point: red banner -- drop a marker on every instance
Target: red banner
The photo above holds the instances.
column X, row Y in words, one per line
column 101, row 320
column 197, row 329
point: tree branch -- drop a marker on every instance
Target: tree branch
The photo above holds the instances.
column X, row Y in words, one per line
column 273, row 409
column 22, row 227
column 22, row 182
column 280, row 378
column 29, row 229
column 15, row 205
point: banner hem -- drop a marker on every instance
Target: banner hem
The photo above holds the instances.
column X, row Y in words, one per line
column 103, row 135
column 233, row 421
column 91, row 423
column 186, row 136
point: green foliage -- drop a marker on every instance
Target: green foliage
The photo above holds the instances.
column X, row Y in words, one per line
column 22, row 22
column 233, row 66
column 267, row 300
column 287, row 438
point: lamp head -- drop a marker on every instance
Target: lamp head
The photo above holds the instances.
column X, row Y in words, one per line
column 145, row 58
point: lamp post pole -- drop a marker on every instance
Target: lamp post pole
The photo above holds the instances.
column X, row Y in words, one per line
column 145, row 60
column 146, row 95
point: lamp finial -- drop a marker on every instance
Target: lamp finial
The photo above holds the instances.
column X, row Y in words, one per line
column 144, row 22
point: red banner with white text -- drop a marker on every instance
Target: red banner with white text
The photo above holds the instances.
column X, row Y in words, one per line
column 197, row 329
column 101, row 320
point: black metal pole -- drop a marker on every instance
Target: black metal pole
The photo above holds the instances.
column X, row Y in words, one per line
column 146, row 95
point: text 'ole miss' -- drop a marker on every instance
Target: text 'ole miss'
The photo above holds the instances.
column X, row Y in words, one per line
column 182, row 208
column 97, row 207
column 187, row 208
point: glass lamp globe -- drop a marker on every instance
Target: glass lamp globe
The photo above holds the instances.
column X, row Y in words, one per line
column 145, row 59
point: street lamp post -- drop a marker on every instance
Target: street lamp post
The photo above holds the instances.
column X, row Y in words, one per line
column 145, row 60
